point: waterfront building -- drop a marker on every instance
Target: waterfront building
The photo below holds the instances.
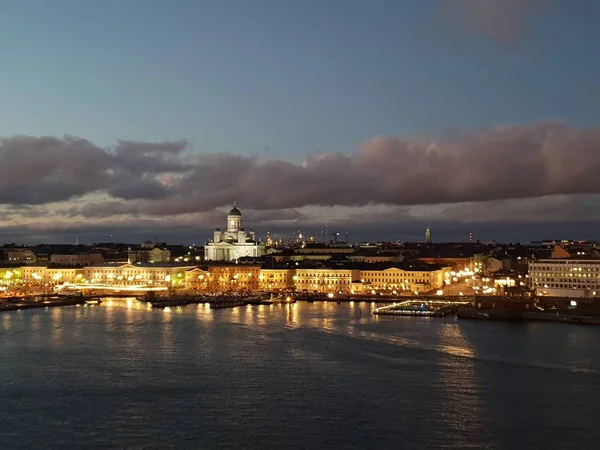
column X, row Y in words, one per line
column 392, row 279
column 10, row 275
column 234, row 243
column 323, row 279
column 277, row 279
column 137, row 274
column 44, row 274
column 109, row 274
column 329, row 278
column 234, row 277
column 569, row 277
column 197, row 279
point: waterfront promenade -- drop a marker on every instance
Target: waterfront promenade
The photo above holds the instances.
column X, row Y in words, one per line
column 418, row 306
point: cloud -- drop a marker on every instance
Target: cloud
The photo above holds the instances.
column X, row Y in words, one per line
column 504, row 21
column 38, row 170
column 546, row 171
column 501, row 162
column 556, row 208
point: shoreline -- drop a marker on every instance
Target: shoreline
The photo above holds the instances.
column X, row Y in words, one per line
column 495, row 315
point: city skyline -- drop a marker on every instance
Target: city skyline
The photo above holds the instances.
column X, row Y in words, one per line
column 441, row 119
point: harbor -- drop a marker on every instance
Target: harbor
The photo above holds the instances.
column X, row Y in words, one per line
column 469, row 308
column 215, row 301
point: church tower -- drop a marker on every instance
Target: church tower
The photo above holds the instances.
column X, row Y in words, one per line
column 428, row 235
column 234, row 219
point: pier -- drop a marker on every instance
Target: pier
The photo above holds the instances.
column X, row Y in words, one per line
column 40, row 302
column 421, row 308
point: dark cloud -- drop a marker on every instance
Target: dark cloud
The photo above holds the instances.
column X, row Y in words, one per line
column 150, row 158
column 502, row 162
column 37, row 170
column 504, row 21
column 558, row 208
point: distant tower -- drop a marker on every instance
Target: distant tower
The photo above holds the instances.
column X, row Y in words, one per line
column 470, row 237
column 428, row 235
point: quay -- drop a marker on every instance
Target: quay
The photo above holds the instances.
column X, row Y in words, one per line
column 40, row 302
column 215, row 301
column 475, row 308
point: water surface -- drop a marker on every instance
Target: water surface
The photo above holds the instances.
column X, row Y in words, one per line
column 302, row 376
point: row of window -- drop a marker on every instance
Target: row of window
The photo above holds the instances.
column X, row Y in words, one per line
column 567, row 286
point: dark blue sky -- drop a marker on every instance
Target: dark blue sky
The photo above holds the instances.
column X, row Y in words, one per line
column 240, row 75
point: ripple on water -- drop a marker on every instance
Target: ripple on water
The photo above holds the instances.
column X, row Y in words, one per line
column 299, row 376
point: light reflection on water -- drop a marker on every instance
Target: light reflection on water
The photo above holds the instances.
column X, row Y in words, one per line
column 119, row 375
column 463, row 403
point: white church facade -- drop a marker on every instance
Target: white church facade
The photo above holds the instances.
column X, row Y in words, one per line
column 234, row 243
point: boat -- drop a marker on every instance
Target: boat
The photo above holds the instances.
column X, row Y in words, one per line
column 280, row 300
column 93, row 301
column 164, row 303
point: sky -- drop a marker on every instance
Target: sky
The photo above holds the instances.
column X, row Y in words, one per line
column 378, row 118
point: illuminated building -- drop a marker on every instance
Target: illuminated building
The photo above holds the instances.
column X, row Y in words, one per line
column 396, row 279
column 325, row 279
column 428, row 235
column 109, row 274
column 10, row 275
column 51, row 275
column 276, row 279
column 234, row 277
column 197, row 279
column 565, row 277
column 137, row 274
column 234, row 243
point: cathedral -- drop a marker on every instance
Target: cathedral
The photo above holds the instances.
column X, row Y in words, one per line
column 234, row 243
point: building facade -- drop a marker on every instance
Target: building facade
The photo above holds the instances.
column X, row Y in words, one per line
column 326, row 280
column 223, row 276
column 234, row 243
column 145, row 255
column 565, row 277
column 277, row 279
column 395, row 279
column 77, row 259
column 20, row 256
column 234, row 277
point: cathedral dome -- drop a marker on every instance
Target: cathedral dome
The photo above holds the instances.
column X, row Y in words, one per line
column 234, row 211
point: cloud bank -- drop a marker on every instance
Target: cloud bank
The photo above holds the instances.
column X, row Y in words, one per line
column 506, row 173
column 502, row 162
